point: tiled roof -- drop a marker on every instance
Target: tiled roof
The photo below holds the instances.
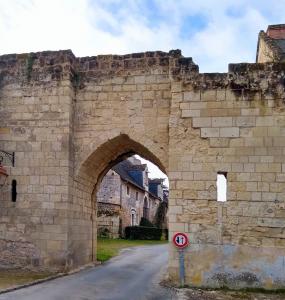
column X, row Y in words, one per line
column 132, row 167
column 122, row 169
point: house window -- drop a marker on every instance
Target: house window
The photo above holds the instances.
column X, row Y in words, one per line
column 128, row 190
column 137, row 196
column 133, row 217
column 222, row 186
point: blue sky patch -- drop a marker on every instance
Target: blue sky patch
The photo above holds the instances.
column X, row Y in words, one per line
column 235, row 11
column 191, row 25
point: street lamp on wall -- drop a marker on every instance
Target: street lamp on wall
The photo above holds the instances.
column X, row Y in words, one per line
column 4, row 155
column 3, row 176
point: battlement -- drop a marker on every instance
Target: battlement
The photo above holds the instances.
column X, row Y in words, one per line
column 135, row 61
column 41, row 66
column 48, row 66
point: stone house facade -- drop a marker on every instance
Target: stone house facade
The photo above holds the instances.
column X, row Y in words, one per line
column 126, row 194
column 69, row 120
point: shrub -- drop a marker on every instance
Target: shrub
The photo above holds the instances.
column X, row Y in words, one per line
column 143, row 233
column 103, row 232
column 146, row 223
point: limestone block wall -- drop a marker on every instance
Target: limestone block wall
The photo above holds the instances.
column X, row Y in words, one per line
column 119, row 95
column 122, row 108
column 69, row 120
column 35, row 115
column 231, row 123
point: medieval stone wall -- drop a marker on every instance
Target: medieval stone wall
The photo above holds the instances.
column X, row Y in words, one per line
column 69, row 120
column 35, row 121
column 230, row 123
column 122, row 107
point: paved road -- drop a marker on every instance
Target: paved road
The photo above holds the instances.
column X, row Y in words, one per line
column 133, row 275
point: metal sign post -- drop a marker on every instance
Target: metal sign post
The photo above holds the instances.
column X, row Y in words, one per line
column 181, row 267
column 180, row 240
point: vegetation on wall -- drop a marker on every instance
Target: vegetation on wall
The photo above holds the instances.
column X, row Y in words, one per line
column 29, row 66
column 104, row 232
column 146, row 223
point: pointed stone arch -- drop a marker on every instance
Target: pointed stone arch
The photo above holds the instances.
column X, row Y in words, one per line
column 86, row 182
column 111, row 151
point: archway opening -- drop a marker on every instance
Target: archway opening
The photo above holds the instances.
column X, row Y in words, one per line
column 131, row 202
column 118, row 189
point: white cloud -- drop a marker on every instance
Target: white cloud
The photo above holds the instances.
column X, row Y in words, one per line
column 154, row 171
column 112, row 26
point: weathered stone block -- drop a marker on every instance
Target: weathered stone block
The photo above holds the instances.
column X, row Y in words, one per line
column 229, row 132
column 192, row 96
column 201, row 122
column 210, row 132
column 222, row 121
column 186, row 113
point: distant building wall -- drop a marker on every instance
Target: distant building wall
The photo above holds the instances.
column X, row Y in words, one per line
column 265, row 51
column 271, row 44
column 114, row 191
column 109, row 220
column 110, row 188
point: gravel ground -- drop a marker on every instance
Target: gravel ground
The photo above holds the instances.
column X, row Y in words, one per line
column 197, row 294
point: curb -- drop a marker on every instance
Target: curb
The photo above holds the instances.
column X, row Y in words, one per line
column 18, row 287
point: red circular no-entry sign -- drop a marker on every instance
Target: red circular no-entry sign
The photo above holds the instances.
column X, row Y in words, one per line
column 180, row 240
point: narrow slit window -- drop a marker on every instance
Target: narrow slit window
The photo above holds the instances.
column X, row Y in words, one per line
column 222, row 186
column 14, row 190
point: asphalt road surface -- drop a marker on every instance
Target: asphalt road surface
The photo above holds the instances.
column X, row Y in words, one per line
column 133, row 275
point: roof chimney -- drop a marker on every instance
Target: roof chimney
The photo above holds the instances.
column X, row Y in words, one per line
column 276, row 32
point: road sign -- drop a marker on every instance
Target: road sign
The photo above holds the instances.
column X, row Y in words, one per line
column 180, row 240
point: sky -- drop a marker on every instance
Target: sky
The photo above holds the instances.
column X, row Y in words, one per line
column 213, row 32
column 154, row 171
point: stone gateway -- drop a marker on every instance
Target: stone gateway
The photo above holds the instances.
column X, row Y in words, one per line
column 69, row 120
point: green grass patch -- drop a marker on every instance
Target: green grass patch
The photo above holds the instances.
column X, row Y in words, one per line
column 9, row 278
column 107, row 248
